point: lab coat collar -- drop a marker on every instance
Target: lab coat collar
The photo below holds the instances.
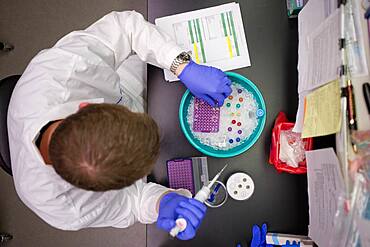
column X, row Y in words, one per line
column 60, row 112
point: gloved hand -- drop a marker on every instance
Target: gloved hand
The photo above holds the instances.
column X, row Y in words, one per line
column 207, row 83
column 259, row 237
column 294, row 244
column 172, row 206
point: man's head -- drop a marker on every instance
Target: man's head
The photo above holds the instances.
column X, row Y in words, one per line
column 104, row 147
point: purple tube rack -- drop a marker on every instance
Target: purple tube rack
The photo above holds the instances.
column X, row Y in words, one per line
column 180, row 174
column 206, row 117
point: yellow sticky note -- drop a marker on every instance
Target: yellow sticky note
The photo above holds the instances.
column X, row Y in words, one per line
column 322, row 114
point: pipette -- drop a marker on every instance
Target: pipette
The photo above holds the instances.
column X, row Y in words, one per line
column 201, row 196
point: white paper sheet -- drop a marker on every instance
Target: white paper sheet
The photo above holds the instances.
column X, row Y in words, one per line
column 323, row 54
column 311, row 16
column 363, row 227
column 215, row 36
column 325, row 184
column 298, row 126
column 313, row 29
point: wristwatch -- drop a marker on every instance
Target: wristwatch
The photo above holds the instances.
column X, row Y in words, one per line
column 183, row 57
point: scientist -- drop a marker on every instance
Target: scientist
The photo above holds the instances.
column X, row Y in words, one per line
column 80, row 143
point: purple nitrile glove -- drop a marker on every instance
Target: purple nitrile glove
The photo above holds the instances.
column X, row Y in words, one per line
column 174, row 206
column 259, row 236
column 207, row 83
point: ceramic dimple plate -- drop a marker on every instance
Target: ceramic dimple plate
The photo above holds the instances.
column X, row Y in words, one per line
column 240, row 186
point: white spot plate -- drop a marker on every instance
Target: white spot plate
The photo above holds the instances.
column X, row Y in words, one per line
column 240, row 186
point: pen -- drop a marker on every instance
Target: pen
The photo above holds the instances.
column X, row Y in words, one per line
column 351, row 111
column 367, row 16
column 367, row 13
column 366, row 91
column 351, row 107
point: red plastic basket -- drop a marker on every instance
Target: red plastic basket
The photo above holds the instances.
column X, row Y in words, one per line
column 281, row 123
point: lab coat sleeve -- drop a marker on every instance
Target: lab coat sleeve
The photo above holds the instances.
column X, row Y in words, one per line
column 118, row 35
column 146, row 202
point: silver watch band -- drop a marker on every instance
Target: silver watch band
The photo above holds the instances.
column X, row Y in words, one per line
column 183, row 57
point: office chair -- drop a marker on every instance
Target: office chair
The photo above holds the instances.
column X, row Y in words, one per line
column 4, row 237
column 6, row 88
column 6, row 47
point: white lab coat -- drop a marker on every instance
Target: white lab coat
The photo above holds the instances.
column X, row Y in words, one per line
column 84, row 66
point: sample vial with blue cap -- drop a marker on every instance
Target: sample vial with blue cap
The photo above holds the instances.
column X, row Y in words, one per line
column 218, row 195
column 260, row 112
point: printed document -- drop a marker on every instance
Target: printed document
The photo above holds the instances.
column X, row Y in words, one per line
column 363, row 226
column 310, row 29
column 325, row 185
column 323, row 54
column 215, row 36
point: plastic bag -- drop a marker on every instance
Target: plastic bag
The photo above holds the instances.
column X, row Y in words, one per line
column 291, row 148
column 282, row 124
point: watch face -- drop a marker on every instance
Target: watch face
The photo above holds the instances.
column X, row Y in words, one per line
column 185, row 56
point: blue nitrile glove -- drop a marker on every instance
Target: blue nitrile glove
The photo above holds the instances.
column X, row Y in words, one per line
column 294, row 244
column 259, row 236
column 207, row 83
column 173, row 206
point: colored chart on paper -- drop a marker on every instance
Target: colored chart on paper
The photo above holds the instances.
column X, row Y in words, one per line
column 215, row 36
column 209, row 32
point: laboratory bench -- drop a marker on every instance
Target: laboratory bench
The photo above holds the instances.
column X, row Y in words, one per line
column 279, row 199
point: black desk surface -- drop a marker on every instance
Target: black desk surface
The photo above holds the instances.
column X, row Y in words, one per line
column 278, row 199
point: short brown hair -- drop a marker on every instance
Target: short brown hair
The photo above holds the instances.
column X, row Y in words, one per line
column 104, row 147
